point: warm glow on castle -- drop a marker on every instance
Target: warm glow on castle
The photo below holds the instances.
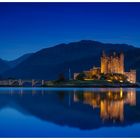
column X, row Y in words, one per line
column 112, row 64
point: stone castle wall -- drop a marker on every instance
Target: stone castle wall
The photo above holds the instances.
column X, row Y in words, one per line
column 112, row 64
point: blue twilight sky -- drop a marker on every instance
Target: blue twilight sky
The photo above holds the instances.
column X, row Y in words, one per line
column 29, row 27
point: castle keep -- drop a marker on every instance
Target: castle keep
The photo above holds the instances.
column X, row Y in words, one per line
column 110, row 64
column 113, row 63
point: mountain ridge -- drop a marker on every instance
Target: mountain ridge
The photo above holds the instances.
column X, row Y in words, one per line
column 48, row 63
column 18, row 60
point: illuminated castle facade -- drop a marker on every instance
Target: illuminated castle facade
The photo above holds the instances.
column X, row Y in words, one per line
column 112, row 64
column 115, row 64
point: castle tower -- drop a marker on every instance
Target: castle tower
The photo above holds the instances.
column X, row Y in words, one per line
column 104, row 61
column 121, row 63
column 112, row 64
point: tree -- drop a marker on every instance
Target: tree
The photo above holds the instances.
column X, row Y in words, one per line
column 95, row 77
column 61, row 77
column 124, row 78
column 102, row 77
column 80, row 76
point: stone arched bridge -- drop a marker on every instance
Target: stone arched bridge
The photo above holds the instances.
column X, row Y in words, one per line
column 20, row 82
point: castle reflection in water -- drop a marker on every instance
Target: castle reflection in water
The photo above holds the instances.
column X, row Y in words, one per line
column 110, row 102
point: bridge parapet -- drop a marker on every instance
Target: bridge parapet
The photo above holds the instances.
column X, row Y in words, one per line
column 20, row 82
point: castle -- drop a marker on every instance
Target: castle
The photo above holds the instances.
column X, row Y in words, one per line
column 112, row 64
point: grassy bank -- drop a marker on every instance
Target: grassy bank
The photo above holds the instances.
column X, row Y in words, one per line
column 91, row 83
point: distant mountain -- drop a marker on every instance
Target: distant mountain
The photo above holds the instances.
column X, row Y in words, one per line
column 7, row 65
column 3, row 66
column 50, row 62
column 17, row 61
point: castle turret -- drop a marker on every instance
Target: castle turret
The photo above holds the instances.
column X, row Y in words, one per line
column 103, row 54
column 104, row 67
column 121, row 63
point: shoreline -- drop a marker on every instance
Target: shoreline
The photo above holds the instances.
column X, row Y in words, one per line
column 90, row 84
column 78, row 84
column 62, row 86
column 86, row 86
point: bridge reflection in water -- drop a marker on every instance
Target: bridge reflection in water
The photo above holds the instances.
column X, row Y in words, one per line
column 110, row 102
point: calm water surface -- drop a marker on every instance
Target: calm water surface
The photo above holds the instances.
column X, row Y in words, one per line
column 69, row 112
